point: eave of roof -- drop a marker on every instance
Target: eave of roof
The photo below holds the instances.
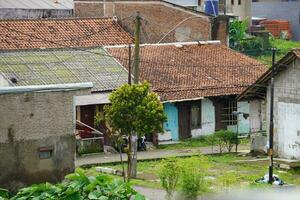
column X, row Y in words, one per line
column 46, row 88
column 258, row 88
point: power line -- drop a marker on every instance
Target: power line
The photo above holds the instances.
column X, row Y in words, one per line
column 62, row 40
column 126, row 59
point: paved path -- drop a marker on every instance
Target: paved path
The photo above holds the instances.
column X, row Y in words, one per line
column 102, row 158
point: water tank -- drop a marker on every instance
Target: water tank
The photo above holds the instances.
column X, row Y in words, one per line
column 211, row 7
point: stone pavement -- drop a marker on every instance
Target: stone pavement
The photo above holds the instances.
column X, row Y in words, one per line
column 94, row 159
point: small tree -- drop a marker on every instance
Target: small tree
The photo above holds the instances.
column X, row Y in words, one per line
column 169, row 172
column 134, row 109
column 237, row 32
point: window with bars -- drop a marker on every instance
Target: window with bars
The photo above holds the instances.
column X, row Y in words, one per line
column 227, row 117
column 196, row 121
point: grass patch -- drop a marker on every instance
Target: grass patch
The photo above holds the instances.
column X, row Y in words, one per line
column 283, row 47
column 187, row 143
column 225, row 172
column 195, row 143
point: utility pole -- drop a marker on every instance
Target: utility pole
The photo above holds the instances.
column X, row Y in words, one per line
column 225, row 7
column 129, row 64
column 132, row 158
column 271, row 127
column 137, row 48
column 237, row 134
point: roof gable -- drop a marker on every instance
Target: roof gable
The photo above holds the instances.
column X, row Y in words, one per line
column 62, row 66
column 191, row 70
column 258, row 89
column 61, row 33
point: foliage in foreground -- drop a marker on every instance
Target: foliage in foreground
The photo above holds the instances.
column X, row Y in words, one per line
column 78, row 187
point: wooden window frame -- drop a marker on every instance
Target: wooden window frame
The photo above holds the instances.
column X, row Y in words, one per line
column 227, row 114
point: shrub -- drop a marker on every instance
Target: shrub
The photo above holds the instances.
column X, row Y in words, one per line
column 193, row 171
column 226, row 139
column 78, row 187
column 169, row 172
column 252, row 46
column 211, row 140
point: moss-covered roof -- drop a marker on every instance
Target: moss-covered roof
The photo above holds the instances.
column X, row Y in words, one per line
column 43, row 67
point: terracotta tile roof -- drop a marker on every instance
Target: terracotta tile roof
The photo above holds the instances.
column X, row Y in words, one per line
column 194, row 71
column 57, row 33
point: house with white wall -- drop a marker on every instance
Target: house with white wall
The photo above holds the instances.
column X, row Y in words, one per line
column 286, row 104
column 197, row 83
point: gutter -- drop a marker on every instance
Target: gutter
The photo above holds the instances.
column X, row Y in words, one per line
column 46, row 88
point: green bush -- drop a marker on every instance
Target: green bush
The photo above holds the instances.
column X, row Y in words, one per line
column 226, row 139
column 193, row 171
column 252, row 46
column 169, row 172
column 80, row 187
column 237, row 32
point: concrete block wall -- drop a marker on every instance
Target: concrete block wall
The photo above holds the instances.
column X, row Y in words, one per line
column 286, row 112
column 34, row 120
column 159, row 18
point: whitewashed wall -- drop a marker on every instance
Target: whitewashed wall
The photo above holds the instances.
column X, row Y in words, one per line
column 208, row 119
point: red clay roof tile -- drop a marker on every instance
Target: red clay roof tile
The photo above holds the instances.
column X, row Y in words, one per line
column 194, row 71
column 58, row 33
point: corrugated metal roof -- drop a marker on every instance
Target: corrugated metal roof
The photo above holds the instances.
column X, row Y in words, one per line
column 62, row 66
column 37, row 4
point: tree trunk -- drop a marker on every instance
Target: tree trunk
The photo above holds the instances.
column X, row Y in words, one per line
column 132, row 156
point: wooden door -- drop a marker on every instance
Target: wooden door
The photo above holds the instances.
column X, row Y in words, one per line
column 87, row 114
column 184, row 120
column 219, row 106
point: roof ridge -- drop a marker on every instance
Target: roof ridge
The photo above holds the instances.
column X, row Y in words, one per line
column 207, row 42
column 59, row 19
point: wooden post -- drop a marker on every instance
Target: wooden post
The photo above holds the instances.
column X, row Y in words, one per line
column 137, row 48
column 129, row 64
column 132, row 156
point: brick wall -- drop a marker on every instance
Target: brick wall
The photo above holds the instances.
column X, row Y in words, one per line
column 32, row 120
column 158, row 19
